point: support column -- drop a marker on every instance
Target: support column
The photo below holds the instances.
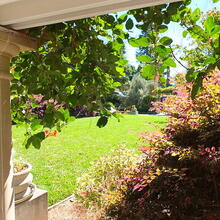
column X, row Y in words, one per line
column 7, row 211
column 11, row 43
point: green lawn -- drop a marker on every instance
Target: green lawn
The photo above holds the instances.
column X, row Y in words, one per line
column 63, row 158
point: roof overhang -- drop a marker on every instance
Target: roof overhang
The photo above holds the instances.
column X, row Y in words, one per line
column 20, row 40
column 22, row 14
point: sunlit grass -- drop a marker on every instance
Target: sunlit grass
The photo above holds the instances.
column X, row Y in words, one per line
column 63, row 158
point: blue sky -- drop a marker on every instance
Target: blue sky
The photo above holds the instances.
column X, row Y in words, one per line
column 174, row 30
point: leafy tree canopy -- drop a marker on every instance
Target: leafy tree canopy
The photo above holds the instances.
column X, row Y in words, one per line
column 73, row 66
column 78, row 61
column 155, row 20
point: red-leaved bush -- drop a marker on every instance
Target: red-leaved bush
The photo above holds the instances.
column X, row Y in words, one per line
column 179, row 176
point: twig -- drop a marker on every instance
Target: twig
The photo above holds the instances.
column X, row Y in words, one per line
column 177, row 59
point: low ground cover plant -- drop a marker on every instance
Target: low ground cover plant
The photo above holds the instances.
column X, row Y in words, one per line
column 100, row 182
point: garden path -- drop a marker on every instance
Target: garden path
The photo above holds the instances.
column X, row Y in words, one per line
column 69, row 210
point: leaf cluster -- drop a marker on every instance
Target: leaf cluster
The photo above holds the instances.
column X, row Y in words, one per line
column 75, row 65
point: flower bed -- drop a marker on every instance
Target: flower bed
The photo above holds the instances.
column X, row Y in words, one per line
column 179, row 176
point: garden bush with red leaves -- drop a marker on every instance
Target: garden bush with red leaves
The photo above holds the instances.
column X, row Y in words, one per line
column 179, row 176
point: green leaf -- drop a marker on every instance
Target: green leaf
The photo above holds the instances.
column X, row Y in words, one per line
column 162, row 51
column 185, row 33
column 209, row 24
column 140, row 42
column 144, row 58
column 116, row 84
column 73, row 100
column 129, row 24
column 161, row 69
column 169, row 62
column 162, row 28
column 197, row 85
column 148, row 71
column 117, row 115
column 166, row 41
column 163, row 80
column 36, row 125
column 215, row 1
column 103, row 120
column 191, row 75
column 172, row 8
column 133, row 42
column 122, row 62
column 195, row 90
column 120, row 70
column 215, row 31
column 196, row 15
column 217, row 49
column 35, row 140
column 122, row 18
column 66, row 114
column 48, row 119
column 110, row 19
column 210, row 60
column 40, row 135
column 28, row 143
column 120, row 41
column 60, row 114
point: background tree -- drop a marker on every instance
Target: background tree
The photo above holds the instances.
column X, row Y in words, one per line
column 141, row 94
column 200, row 50
column 156, row 19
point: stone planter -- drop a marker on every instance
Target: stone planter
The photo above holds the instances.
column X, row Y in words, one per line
column 133, row 112
column 22, row 184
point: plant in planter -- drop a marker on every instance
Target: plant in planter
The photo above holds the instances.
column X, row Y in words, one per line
column 22, row 181
column 134, row 110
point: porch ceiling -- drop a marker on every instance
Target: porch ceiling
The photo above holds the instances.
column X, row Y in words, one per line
column 22, row 14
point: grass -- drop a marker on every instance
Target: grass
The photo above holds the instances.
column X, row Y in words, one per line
column 62, row 159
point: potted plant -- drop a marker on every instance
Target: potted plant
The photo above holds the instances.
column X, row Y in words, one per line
column 134, row 110
column 22, row 181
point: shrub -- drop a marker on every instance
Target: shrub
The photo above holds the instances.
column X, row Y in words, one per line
column 179, row 177
column 164, row 91
column 78, row 111
column 117, row 98
column 98, row 185
column 82, row 111
column 146, row 104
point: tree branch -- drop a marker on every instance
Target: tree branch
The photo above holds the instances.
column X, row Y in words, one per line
column 177, row 59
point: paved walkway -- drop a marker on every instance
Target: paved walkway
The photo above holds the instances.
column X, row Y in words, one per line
column 153, row 114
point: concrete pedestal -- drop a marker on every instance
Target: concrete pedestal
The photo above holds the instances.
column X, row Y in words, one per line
column 36, row 208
